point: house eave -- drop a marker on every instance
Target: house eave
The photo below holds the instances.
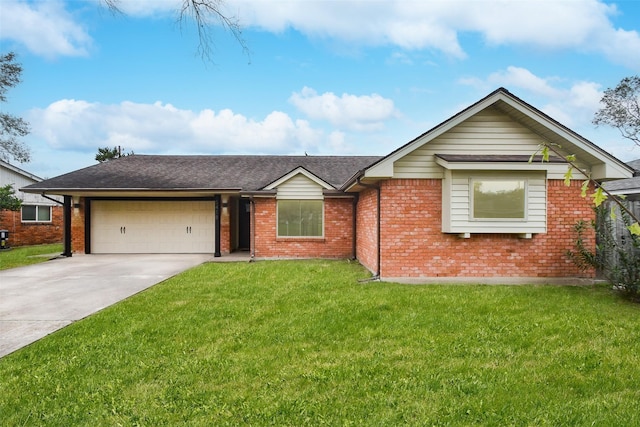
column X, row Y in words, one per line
column 602, row 165
column 132, row 192
column 259, row 193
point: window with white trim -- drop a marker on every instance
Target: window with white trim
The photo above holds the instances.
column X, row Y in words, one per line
column 481, row 201
column 36, row 213
column 498, row 199
column 300, row 218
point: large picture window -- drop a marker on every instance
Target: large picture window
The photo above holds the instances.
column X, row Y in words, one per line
column 499, row 199
column 300, row 218
column 35, row 213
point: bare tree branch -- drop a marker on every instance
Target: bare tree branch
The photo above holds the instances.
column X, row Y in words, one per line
column 206, row 16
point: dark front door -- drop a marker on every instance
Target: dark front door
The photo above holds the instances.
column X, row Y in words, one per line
column 244, row 225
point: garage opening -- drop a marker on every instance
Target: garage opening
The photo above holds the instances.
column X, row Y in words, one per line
column 152, row 226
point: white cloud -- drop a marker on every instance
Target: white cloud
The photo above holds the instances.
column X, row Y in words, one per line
column 359, row 113
column 582, row 25
column 47, row 29
column 520, row 77
column 573, row 104
column 44, row 27
column 162, row 128
column 149, row 7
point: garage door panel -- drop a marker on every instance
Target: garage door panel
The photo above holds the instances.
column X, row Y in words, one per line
column 152, row 226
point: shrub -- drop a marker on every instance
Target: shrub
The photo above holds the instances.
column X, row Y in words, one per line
column 617, row 254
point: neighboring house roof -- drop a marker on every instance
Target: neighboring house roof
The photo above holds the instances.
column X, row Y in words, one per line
column 17, row 178
column 603, row 165
column 624, row 186
column 635, row 164
column 200, row 172
column 27, row 175
column 627, row 186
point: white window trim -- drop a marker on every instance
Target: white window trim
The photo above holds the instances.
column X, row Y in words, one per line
column 38, row 207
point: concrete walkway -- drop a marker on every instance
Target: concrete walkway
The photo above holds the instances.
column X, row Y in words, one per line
column 40, row 299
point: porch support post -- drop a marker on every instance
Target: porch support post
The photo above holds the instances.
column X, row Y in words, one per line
column 354, row 225
column 66, row 220
column 218, row 207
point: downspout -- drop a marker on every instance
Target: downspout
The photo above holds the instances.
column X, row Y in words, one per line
column 218, row 208
column 252, row 228
column 377, row 188
column 66, row 223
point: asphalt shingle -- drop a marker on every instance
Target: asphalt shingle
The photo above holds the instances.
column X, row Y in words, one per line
column 245, row 173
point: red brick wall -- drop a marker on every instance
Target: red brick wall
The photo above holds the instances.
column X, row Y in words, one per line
column 225, row 230
column 77, row 228
column 32, row 233
column 413, row 244
column 366, row 230
column 337, row 241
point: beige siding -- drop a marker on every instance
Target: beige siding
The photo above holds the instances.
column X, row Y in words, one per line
column 457, row 216
column 488, row 132
column 299, row 187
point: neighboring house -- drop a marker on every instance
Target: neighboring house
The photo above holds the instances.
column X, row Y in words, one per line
column 460, row 202
column 39, row 220
column 629, row 187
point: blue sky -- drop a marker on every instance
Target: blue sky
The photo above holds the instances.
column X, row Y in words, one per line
column 322, row 77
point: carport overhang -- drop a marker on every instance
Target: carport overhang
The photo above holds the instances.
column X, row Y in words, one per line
column 72, row 198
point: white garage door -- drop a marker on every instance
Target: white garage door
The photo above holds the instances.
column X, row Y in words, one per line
column 152, row 226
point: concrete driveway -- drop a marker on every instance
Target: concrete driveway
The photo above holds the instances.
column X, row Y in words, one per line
column 39, row 299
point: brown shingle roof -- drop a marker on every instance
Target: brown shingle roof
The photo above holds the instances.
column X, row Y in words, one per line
column 160, row 172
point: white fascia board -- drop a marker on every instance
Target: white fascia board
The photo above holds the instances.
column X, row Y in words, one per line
column 552, row 169
column 608, row 171
column 625, row 192
column 501, row 166
column 299, row 171
column 610, row 168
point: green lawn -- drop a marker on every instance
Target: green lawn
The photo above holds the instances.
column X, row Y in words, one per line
column 304, row 343
column 26, row 255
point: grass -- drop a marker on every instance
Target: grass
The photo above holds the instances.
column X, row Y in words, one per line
column 27, row 255
column 295, row 343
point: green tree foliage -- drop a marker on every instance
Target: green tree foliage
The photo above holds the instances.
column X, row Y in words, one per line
column 621, row 108
column 617, row 258
column 11, row 127
column 599, row 195
column 105, row 154
column 8, row 200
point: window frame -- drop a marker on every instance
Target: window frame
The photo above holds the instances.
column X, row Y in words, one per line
column 37, row 214
column 322, row 219
column 474, row 179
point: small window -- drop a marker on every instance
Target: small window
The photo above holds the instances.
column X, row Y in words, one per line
column 300, row 218
column 499, row 199
column 34, row 213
